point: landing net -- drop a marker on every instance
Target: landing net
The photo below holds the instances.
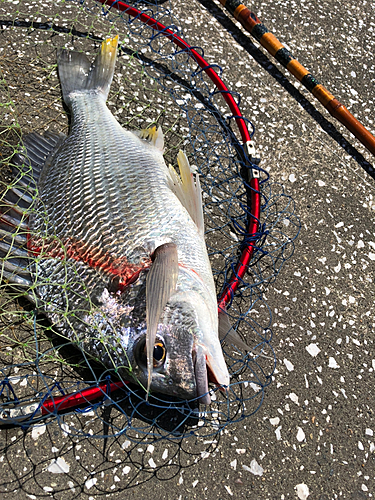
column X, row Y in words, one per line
column 155, row 83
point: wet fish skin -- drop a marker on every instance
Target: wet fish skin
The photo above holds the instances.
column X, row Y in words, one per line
column 107, row 203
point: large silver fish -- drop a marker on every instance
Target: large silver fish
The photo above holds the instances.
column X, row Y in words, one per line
column 119, row 264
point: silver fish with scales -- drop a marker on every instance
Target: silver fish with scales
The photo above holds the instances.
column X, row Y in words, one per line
column 120, row 264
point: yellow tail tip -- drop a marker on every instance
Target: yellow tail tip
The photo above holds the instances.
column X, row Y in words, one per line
column 110, row 44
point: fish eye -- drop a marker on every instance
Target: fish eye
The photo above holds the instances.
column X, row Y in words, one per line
column 159, row 353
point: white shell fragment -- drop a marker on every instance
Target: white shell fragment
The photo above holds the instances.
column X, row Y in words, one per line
column 254, row 468
column 313, row 350
column 289, row 365
column 274, row 421
column 332, row 363
column 302, row 491
column 58, row 466
column 91, row 482
column 300, row 435
column 38, row 430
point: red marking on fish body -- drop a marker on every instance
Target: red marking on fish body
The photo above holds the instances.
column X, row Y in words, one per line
column 29, row 244
column 96, row 258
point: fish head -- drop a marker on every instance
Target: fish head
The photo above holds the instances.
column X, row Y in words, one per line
column 187, row 354
column 173, row 365
column 173, row 354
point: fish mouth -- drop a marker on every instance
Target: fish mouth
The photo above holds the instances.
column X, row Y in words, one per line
column 201, row 376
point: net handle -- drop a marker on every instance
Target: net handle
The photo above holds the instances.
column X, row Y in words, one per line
column 241, row 267
column 75, row 399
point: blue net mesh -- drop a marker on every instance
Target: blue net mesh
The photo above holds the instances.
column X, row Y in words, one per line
column 155, row 82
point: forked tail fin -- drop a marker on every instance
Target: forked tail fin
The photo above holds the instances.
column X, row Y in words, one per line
column 77, row 74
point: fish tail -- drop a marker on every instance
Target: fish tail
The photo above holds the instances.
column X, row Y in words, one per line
column 77, row 74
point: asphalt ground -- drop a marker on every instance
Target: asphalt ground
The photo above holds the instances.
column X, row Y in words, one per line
column 313, row 436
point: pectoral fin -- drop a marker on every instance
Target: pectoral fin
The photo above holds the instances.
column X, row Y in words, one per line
column 161, row 282
column 228, row 334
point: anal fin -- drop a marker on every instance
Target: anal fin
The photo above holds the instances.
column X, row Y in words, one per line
column 187, row 191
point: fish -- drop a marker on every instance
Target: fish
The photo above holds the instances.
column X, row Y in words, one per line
column 108, row 241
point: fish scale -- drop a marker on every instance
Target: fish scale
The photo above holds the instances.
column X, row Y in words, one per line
column 122, row 262
column 124, row 211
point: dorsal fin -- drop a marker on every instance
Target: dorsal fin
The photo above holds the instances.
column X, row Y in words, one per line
column 27, row 165
column 187, row 191
column 34, row 154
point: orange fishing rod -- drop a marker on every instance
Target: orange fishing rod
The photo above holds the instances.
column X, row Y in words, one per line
column 253, row 25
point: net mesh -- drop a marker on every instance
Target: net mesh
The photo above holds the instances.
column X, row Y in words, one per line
column 155, row 83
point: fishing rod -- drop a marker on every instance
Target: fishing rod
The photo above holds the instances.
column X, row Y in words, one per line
column 254, row 26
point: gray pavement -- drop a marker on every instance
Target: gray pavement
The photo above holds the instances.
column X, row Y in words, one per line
column 313, row 436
